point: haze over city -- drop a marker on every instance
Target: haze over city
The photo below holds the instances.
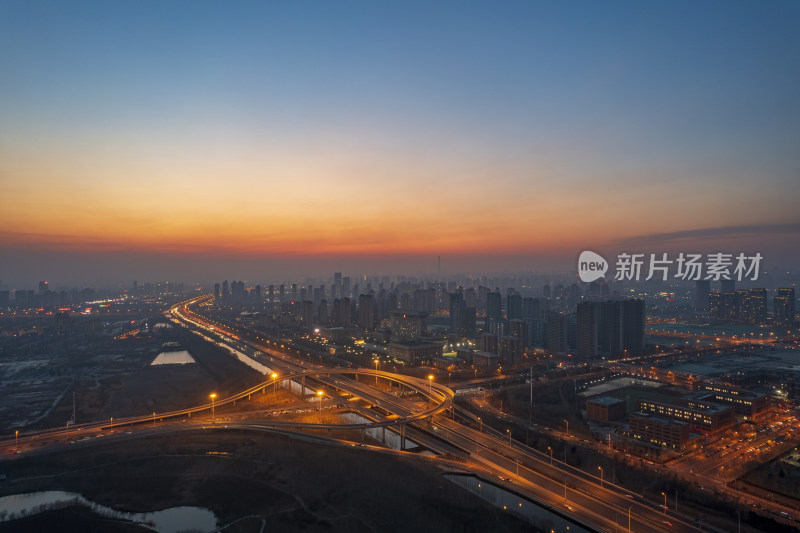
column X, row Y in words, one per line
column 399, row 266
column 152, row 140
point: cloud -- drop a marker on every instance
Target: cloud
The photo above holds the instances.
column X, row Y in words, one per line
column 743, row 232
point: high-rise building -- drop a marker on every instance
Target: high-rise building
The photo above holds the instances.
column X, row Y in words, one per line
column 702, row 288
column 493, row 305
column 620, row 327
column 346, row 286
column 337, row 285
column 408, row 325
column 307, row 313
column 238, row 294
column 557, row 332
column 509, row 349
column 324, row 319
column 489, row 343
column 342, row 312
column 633, row 324
column 469, row 322
column 714, row 305
column 519, row 329
column 514, row 306
column 495, row 326
column 757, row 306
column 424, row 300
column 729, row 309
column 784, row 306
column 573, row 294
column 458, row 309
column 587, row 329
column 531, row 308
column 366, row 312
column 727, row 285
column 558, row 292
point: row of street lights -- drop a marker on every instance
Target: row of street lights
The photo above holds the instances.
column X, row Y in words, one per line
column 213, row 397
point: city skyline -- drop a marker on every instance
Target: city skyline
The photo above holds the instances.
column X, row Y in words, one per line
column 156, row 142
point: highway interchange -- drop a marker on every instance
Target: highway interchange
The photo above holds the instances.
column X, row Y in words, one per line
column 425, row 415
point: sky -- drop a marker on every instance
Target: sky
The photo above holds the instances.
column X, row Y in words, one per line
column 266, row 140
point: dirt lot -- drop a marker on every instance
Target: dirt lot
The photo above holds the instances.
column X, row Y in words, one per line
column 157, row 388
column 293, row 485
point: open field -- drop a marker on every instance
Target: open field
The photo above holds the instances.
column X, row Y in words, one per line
column 294, row 485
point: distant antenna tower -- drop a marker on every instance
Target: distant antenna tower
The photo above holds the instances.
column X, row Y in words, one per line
column 439, row 264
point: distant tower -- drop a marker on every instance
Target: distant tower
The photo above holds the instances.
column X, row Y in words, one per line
column 439, row 264
column 784, row 306
column 727, row 285
column 702, row 288
column 337, row 285
column 346, row 286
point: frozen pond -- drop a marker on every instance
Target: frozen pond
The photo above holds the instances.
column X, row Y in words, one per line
column 173, row 358
column 170, row 520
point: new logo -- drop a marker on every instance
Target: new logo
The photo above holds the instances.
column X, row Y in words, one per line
column 591, row 266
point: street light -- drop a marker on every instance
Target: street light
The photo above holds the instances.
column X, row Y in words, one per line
column 481, row 421
column 319, row 395
column 509, row 436
column 430, row 387
column 16, row 439
column 551, row 454
column 664, row 494
column 567, row 423
column 275, row 384
column 213, row 416
column 376, row 372
column 600, row 468
column 629, row 517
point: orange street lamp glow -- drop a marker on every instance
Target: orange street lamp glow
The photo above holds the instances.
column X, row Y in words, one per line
column 212, row 396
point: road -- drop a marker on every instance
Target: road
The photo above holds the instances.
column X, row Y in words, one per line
column 568, row 490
